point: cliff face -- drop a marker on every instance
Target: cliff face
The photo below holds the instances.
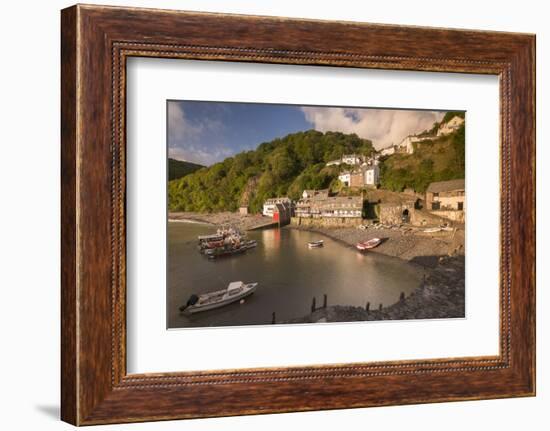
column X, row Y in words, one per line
column 248, row 191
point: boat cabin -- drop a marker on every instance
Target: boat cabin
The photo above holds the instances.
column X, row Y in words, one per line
column 234, row 287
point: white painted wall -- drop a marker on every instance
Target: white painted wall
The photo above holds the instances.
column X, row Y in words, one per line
column 29, row 220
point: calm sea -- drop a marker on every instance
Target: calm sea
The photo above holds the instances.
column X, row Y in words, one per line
column 289, row 276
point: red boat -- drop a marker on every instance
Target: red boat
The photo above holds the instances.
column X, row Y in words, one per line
column 367, row 245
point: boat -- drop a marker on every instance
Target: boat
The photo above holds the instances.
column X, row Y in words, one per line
column 209, row 238
column 432, row 230
column 235, row 291
column 367, row 245
column 315, row 244
column 229, row 249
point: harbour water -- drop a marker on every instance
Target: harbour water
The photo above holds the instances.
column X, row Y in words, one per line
column 289, row 276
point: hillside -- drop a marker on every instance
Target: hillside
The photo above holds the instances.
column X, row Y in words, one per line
column 437, row 159
column 179, row 168
column 284, row 166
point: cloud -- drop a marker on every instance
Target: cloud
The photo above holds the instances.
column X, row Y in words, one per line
column 186, row 138
column 383, row 126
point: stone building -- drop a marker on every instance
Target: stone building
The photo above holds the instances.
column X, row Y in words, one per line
column 322, row 206
column 317, row 194
column 397, row 212
column 447, row 199
column 366, row 175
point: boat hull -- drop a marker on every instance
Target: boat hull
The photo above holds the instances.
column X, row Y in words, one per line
column 192, row 309
column 368, row 245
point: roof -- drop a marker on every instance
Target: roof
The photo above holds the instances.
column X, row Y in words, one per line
column 234, row 285
column 446, row 186
column 281, row 208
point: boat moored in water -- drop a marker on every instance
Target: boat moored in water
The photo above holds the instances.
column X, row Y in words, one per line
column 230, row 249
column 235, row 291
column 316, row 244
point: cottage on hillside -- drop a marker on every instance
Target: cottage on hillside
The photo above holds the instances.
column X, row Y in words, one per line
column 447, row 199
column 407, row 144
column 348, row 159
column 366, row 175
column 450, row 126
column 388, row 151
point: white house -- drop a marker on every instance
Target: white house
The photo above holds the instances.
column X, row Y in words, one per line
column 271, row 204
column 406, row 144
column 352, row 159
column 388, row 151
column 450, row 126
column 372, row 175
column 345, row 178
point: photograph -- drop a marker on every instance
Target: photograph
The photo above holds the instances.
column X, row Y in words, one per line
column 301, row 214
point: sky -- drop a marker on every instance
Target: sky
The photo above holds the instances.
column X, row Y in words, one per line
column 209, row 132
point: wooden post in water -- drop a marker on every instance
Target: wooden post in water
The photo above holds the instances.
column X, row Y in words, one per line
column 313, row 307
column 367, row 307
column 273, row 318
column 325, row 300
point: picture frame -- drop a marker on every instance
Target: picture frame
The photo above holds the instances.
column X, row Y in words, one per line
column 96, row 41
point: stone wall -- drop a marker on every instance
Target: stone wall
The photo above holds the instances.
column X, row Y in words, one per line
column 454, row 215
column 329, row 222
column 393, row 213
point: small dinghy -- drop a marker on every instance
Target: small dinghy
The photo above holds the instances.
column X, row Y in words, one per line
column 315, row 244
column 236, row 291
column 367, row 245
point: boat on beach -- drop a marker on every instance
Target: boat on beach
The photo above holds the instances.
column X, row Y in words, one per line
column 235, row 291
column 316, row 244
column 367, row 245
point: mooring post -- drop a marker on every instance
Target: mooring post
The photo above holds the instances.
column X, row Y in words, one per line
column 273, row 318
column 402, row 296
column 367, row 307
column 325, row 300
column 313, row 305
column 380, row 307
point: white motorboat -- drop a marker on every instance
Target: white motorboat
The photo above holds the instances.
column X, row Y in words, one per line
column 316, row 244
column 235, row 291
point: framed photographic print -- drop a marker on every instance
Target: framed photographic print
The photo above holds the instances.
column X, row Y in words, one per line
column 268, row 215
